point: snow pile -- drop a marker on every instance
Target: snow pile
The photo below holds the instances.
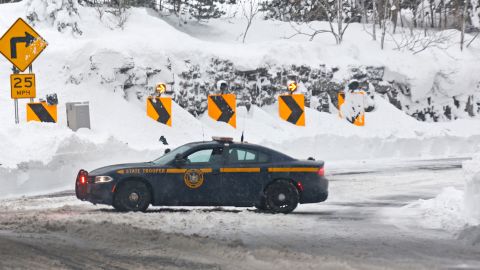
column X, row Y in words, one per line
column 61, row 14
column 472, row 189
column 452, row 210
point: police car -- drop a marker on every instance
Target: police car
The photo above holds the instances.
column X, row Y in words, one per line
column 213, row 173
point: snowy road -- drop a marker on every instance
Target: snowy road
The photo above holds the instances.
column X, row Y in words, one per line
column 357, row 228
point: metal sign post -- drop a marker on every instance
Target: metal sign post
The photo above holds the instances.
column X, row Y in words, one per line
column 30, row 70
column 15, row 101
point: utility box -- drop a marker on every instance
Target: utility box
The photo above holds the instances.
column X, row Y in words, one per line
column 78, row 115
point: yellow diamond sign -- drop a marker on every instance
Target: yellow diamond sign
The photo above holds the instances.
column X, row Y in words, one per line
column 21, row 45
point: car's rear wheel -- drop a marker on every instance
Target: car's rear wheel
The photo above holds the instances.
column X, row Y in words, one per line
column 281, row 197
column 132, row 196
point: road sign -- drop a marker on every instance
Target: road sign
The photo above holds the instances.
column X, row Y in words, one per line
column 222, row 108
column 160, row 109
column 41, row 112
column 351, row 106
column 292, row 86
column 291, row 108
column 22, row 86
column 21, row 45
column 161, row 88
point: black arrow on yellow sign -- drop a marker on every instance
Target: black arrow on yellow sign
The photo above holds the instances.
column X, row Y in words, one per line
column 291, row 109
column 296, row 110
column 160, row 109
column 27, row 39
column 227, row 111
column 222, row 108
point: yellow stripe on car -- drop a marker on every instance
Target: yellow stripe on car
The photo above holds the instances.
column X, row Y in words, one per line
column 296, row 169
column 238, row 170
column 204, row 170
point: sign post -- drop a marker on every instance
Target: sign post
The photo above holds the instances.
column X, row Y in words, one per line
column 21, row 45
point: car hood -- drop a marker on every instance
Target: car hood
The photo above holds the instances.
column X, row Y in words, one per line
column 113, row 168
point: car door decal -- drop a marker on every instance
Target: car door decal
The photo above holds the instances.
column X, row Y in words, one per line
column 193, row 178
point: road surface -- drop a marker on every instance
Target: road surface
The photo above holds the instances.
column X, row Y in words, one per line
column 354, row 229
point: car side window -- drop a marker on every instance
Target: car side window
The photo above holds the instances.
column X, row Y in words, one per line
column 209, row 155
column 241, row 155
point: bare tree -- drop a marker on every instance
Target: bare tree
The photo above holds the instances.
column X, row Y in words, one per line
column 471, row 41
column 119, row 12
column 375, row 17
column 417, row 42
column 250, row 9
column 383, row 23
column 463, row 22
column 334, row 14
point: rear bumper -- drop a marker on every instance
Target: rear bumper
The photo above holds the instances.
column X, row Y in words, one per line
column 95, row 193
column 315, row 191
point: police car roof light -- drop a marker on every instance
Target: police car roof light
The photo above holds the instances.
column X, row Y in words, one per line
column 222, row 139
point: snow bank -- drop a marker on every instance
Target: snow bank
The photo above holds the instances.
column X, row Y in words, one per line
column 452, row 210
column 67, row 155
column 472, row 189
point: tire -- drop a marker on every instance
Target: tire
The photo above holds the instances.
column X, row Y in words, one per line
column 262, row 205
column 132, row 196
column 281, row 197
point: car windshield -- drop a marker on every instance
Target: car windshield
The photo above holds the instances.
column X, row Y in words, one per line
column 170, row 156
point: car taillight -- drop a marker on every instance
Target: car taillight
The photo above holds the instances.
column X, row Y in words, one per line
column 321, row 171
column 82, row 177
column 300, row 186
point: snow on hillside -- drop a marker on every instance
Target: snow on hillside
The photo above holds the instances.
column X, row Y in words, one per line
column 43, row 157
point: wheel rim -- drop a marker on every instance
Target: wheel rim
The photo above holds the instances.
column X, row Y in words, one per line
column 282, row 199
column 134, row 200
column 133, row 197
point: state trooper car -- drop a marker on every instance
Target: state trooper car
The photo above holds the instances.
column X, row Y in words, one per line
column 213, row 173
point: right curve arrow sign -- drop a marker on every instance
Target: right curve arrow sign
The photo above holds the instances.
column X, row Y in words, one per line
column 292, row 108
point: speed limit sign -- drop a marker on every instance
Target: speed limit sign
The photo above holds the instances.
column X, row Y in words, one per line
column 22, row 86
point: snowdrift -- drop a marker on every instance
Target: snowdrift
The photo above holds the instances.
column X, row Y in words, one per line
column 452, row 210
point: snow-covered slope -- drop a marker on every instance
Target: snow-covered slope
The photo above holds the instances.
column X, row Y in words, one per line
column 115, row 69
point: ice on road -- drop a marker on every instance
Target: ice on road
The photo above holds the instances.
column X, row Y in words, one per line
column 356, row 228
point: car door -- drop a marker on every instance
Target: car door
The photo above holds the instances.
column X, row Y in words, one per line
column 243, row 175
column 197, row 181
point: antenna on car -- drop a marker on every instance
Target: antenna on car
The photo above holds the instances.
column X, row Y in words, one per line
column 247, row 106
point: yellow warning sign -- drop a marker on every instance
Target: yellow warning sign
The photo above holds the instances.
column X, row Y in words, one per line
column 41, row 112
column 161, row 88
column 21, row 45
column 291, row 108
column 160, row 109
column 292, row 86
column 351, row 106
column 223, row 108
column 22, row 86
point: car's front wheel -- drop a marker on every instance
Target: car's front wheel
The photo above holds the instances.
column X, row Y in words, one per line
column 132, row 196
column 281, row 197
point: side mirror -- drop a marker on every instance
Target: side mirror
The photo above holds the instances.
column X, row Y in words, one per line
column 167, row 151
column 179, row 160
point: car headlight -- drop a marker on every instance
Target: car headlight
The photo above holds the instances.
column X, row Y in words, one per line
column 103, row 179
